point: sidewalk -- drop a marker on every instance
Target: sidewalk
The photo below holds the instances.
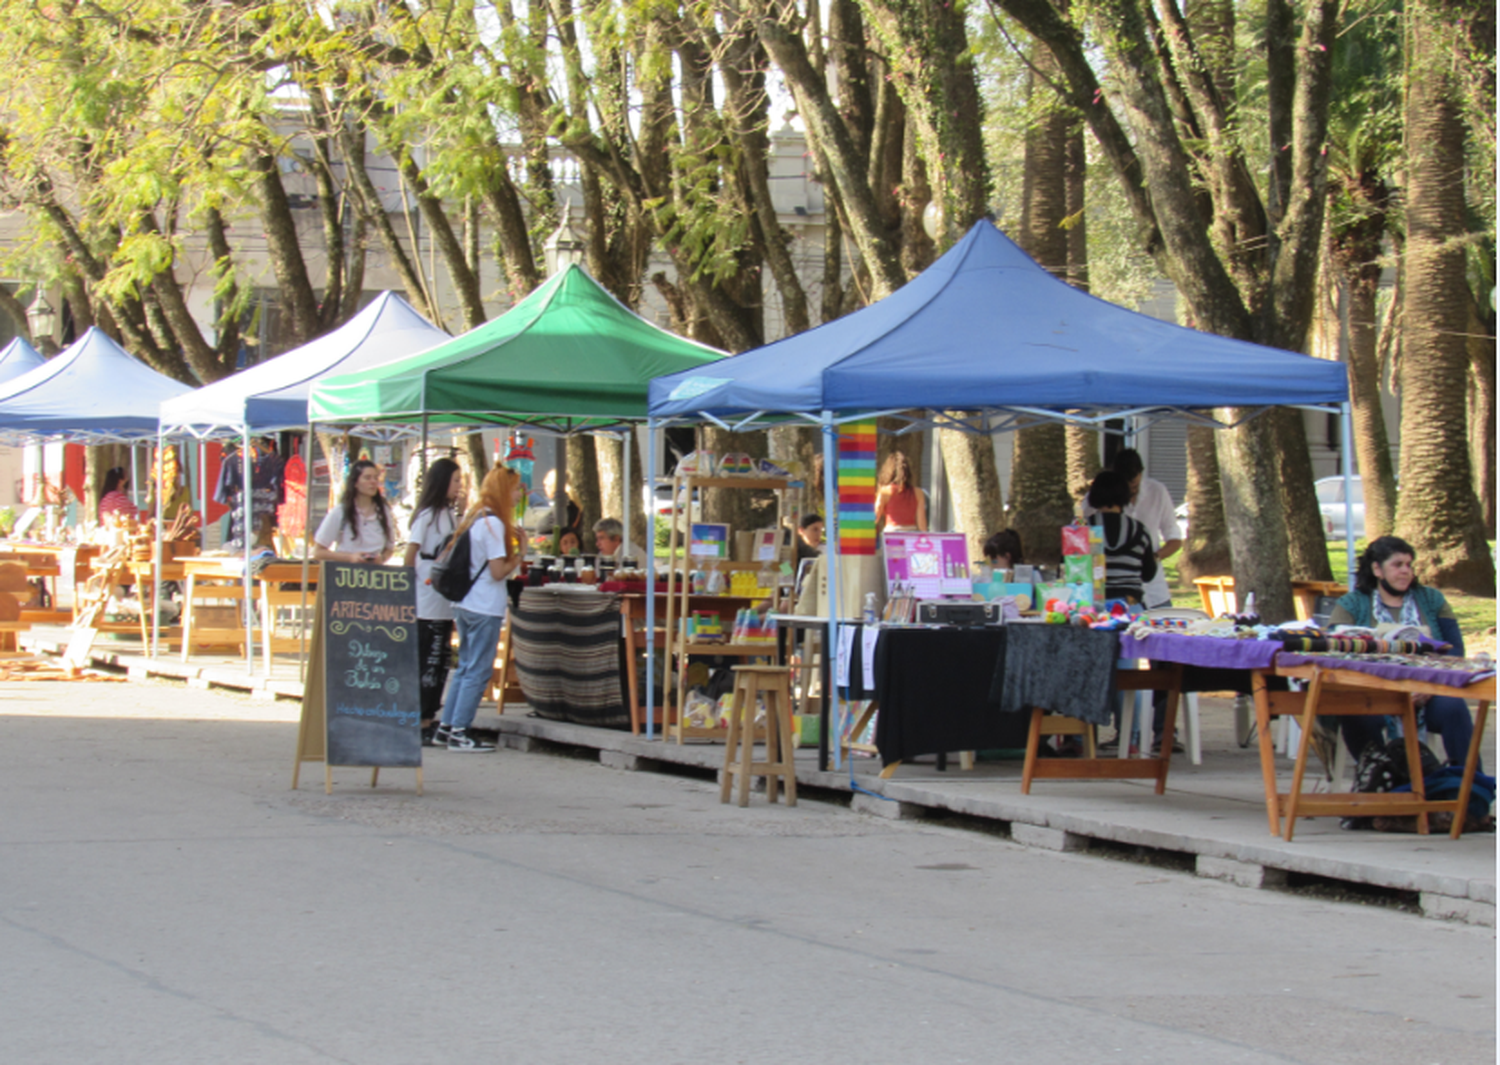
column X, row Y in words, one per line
column 1212, row 819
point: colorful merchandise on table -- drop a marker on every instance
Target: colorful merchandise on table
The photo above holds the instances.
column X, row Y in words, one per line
column 736, row 464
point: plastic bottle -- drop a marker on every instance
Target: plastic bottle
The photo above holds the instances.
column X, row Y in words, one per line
column 870, row 617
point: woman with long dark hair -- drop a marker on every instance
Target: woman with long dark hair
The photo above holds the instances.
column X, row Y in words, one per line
column 361, row 528
column 1386, row 591
column 899, row 503
column 494, row 554
column 432, row 526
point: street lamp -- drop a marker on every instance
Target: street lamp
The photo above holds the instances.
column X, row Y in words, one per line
column 41, row 317
column 565, row 247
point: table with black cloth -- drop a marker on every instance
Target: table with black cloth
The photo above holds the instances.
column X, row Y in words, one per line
column 933, row 686
column 972, row 689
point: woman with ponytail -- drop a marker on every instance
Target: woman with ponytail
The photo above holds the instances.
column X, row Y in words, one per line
column 494, row 554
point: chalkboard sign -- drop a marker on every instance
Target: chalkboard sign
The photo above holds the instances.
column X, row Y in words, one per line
column 371, row 693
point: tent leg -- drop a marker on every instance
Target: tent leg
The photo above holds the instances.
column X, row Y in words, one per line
column 307, row 454
column 650, row 546
column 625, row 488
column 831, row 563
column 158, row 470
column 1346, row 433
column 247, row 508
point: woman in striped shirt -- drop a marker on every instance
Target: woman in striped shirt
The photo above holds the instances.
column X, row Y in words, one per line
column 1129, row 560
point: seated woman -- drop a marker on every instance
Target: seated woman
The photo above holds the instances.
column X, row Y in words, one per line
column 114, row 503
column 1129, row 560
column 1387, row 590
column 1003, row 550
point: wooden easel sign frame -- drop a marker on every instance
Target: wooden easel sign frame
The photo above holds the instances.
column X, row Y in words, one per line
column 361, row 700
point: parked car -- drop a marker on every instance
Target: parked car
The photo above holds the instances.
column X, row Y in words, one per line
column 1331, row 505
column 662, row 504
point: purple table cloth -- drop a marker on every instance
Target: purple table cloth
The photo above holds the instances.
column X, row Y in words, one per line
column 1452, row 678
column 1213, row 652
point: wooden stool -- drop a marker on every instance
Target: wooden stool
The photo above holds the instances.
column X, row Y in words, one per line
column 750, row 682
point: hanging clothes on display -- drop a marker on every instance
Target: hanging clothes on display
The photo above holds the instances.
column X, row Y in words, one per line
column 291, row 516
column 268, row 490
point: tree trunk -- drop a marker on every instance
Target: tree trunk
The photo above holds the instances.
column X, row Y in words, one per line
column 803, row 446
column 1206, row 551
column 1083, row 460
column 1481, row 414
column 741, row 509
column 583, row 483
column 1254, row 516
column 1307, row 546
column 610, row 454
column 974, row 487
column 284, row 249
column 1040, row 500
column 1371, row 442
column 1438, row 512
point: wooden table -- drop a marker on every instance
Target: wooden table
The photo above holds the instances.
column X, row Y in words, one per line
column 633, row 633
column 1341, row 692
column 1162, row 676
column 223, row 580
column 143, row 575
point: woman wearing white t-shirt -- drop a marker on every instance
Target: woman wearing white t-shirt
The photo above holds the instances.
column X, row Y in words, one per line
column 360, row 528
column 494, row 554
column 432, row 525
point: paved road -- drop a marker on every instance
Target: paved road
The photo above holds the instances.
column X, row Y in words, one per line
column 165, row 898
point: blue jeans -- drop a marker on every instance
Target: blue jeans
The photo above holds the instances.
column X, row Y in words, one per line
column 1446, row 715
column 478, row 636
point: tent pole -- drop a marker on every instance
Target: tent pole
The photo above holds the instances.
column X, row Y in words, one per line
column 1346, row 433
column 307, row 464
column 247, row 507
column 831, row 566
column 651, row 586
column 422, row 461
column 160, row 468
column 203, row 490
column 625, row 489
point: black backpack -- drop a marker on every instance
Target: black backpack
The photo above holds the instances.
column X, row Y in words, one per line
column 452, row 573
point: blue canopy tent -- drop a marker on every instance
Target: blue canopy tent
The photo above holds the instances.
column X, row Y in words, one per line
column 985, row 340
column 272, row 396
column 17, row 358
column 95, row 392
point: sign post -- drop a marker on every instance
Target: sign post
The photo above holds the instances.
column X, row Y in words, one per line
column 361, row 699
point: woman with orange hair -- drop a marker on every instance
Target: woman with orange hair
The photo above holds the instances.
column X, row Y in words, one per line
column 494, row 554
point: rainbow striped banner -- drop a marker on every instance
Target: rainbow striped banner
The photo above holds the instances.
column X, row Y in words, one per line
column 856, row 484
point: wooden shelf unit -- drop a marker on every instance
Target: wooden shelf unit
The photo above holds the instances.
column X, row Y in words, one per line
column 681, row 599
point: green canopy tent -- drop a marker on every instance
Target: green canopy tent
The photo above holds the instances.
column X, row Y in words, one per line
column 568, row 358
